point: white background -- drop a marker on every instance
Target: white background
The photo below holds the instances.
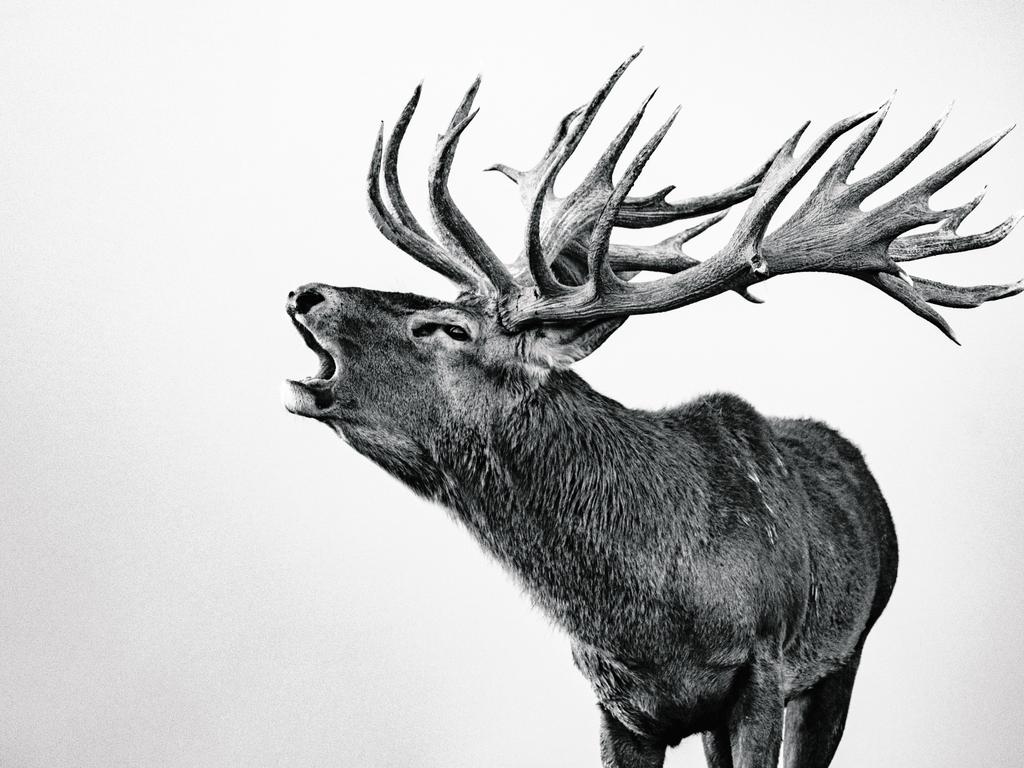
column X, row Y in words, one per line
column 189, row 576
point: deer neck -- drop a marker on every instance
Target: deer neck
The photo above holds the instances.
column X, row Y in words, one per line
column 559, row 487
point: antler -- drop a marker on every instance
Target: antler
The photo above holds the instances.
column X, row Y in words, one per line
column 400, row 226
column 462, row 254
column 828, row 233
column 568, row 221
column 571, row 272
column 464, row 258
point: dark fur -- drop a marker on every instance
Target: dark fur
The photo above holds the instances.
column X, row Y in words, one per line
column 710, row 565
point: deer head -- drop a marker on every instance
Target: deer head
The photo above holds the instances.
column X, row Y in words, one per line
column 395, row 366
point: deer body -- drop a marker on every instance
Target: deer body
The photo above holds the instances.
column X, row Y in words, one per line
column 701, row 533
column 717, row 571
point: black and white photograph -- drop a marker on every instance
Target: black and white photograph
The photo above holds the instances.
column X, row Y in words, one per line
column 452, row 384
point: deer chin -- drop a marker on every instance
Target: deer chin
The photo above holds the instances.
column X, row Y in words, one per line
column 313, row 396
column 310, row 397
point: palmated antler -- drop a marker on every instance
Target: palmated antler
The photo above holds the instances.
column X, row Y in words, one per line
column 829, row 233
column 571, row 273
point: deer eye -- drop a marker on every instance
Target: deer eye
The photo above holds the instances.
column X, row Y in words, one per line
column 456, row 332
column 424, row 329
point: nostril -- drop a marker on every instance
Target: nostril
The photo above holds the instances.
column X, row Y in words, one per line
column 306, row 300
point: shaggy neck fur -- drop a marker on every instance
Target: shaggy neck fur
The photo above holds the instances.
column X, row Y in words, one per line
column 556, row 491
column 595, row 507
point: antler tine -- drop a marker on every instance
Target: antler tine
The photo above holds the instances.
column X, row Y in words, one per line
column 918, row 293
column 453, row 227
column 902, row 289
column 406, row 234
column 520, row 177
column 837, row 175
column 544, row 278
column 957, row 215
column 603, row 169
column 604, row 279
column 391, row 181
column 963, row 297
column 568, row 135
column 887, row 173
column 924, row 189
column 573, row 216
column 654, row 210
column 579, row 126
column 945, row 240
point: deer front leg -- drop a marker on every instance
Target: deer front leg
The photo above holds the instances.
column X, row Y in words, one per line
column 717, row 748
column 621, row 748
column 755, row 723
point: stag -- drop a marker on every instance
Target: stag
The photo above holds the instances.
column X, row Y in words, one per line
column 716, row 570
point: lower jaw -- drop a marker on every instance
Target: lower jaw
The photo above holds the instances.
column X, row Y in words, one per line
column 304, row 399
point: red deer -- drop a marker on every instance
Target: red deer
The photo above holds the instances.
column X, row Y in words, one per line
column 716, row 570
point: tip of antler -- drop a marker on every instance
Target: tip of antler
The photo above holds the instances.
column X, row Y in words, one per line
column 989, row 143
column 945, row 116
column 662, row 193
column 884, row 107
column 675, row 242
column 714, row 219
column 460, row 126
column 977, row 199
column 867, row 114
column 957, row 215
column 1012, row 222
column 629, row 60
column 506, row 171
column 467, row 102
column 792, row 141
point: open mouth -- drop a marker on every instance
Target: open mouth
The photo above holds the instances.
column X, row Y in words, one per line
column 313, row 394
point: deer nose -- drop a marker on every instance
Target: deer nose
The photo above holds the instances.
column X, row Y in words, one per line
column 304, row 299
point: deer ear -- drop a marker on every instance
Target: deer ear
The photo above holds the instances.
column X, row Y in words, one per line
column 559, row 346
